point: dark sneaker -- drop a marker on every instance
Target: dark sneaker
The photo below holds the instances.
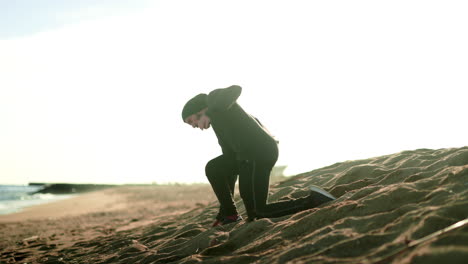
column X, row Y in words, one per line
column 231, row 219
column 319, row 196
column 216, row 223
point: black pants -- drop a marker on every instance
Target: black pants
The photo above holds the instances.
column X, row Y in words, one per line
column 254, row 181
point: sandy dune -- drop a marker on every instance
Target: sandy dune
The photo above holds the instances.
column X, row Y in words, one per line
column 408, row 207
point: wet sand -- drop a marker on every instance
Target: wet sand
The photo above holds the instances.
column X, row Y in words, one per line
column 408, row 207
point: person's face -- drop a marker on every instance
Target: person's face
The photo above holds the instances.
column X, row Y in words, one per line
column 193, row 119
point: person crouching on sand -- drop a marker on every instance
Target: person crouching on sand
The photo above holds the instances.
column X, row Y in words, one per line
column 248, row 151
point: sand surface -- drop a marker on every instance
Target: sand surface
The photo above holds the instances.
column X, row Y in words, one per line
column 408, row 207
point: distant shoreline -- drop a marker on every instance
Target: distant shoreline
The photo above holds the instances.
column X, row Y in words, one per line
column 75, row 188
column 69, row 188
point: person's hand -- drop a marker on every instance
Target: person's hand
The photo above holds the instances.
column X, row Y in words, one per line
column 204, row 122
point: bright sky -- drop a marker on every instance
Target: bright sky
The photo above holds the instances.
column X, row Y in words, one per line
column 92, row 91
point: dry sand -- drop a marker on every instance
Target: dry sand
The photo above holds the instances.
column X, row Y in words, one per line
column 409, row 207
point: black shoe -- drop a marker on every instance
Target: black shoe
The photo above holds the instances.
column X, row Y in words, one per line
column 318, row 196
column 231, row 219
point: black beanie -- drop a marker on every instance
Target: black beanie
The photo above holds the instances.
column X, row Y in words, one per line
column 194, row 105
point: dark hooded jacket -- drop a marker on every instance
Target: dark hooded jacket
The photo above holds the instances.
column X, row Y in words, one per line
column 240, row 135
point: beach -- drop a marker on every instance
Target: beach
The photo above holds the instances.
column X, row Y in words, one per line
column 406, row 207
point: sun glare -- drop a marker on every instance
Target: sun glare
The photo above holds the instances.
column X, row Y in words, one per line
column 99, row 100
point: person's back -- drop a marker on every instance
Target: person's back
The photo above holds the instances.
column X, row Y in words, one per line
column 243, row 134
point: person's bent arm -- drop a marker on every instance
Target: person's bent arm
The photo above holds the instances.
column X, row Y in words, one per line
column 222, row 99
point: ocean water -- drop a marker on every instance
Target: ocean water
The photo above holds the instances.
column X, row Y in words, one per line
column 14, row 198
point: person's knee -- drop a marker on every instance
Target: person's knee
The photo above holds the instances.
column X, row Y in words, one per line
column 221, row 166
column 210, row 168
